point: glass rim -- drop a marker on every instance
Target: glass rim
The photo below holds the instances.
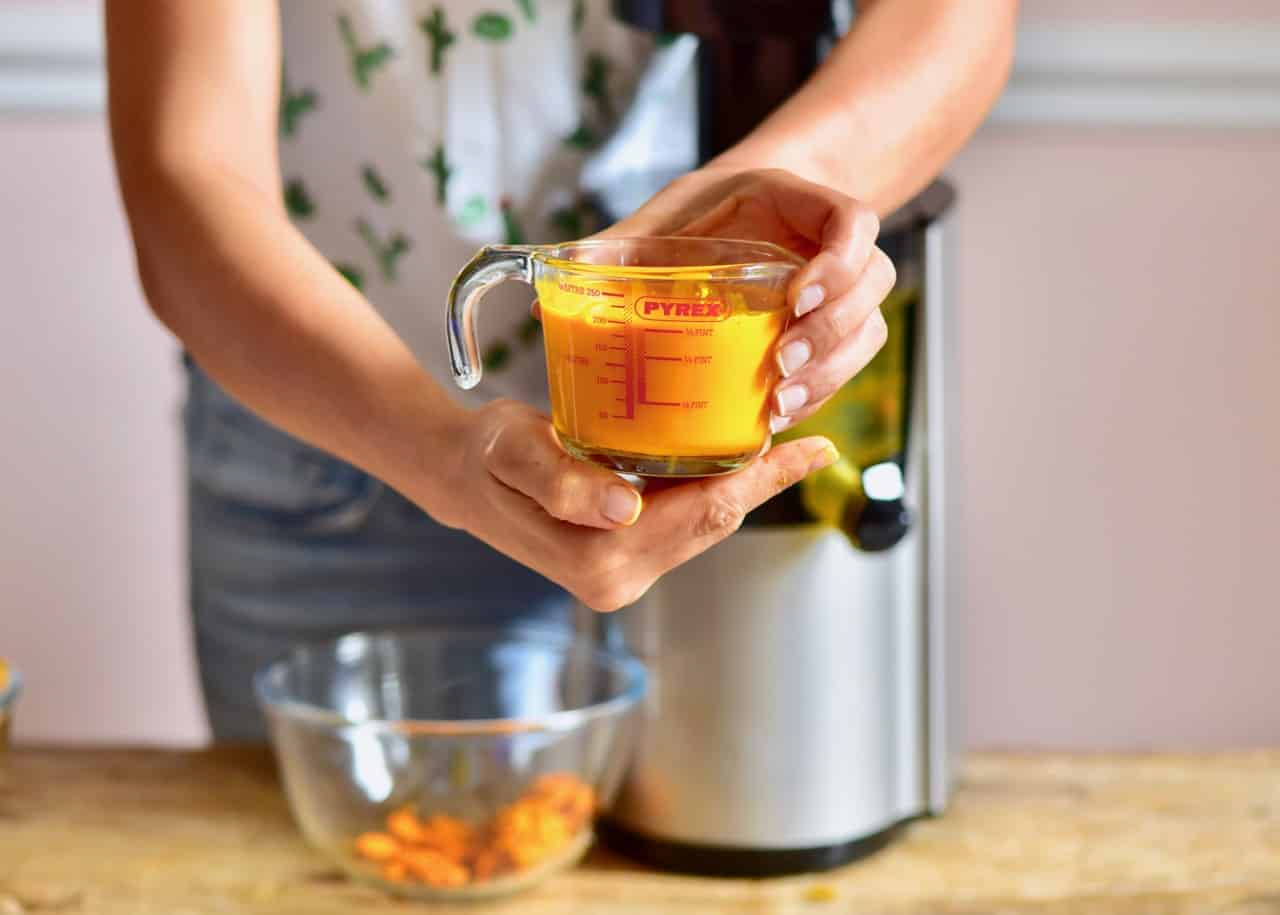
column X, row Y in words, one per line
column 10, row 689
column 778, row 260
column 274, row 700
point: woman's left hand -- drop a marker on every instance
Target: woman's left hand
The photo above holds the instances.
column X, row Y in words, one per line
column 835, row 298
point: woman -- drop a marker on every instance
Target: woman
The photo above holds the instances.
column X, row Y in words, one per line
column 298, row 236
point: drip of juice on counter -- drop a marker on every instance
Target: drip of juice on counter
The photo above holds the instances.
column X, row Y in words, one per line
column 666, row 374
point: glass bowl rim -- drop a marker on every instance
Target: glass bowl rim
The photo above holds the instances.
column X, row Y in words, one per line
column 11, row 689
column 271, row 697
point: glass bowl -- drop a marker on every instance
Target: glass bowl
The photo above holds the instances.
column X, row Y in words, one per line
column 451, row 763
column 10, row 689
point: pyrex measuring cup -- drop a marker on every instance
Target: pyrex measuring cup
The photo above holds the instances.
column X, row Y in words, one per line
column 659, row 350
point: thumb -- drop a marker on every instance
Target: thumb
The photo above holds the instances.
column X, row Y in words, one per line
column 783, row 466
column 526, row 457
column 712, row 509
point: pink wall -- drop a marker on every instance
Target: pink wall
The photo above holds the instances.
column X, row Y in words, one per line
column 1120, row 353
column 90, row 538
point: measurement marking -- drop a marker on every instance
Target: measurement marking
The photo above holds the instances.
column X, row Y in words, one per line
column 660, row 403
column 613, row 295
column 618, row 381
column 618, row 306
column 666, row 358
column 620, row 399
column 621, row 337
column 639, row 391
column 616, row 365
column 613, row 321
column 660, row 330
column 616, row 416
column 623, row 348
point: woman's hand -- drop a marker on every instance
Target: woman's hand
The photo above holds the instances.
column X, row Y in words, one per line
column 836, row 298
column 581, row 525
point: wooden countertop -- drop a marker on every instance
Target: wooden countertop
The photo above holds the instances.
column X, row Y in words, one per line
column 167, row 833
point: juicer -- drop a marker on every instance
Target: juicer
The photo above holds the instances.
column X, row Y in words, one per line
column 803, row 696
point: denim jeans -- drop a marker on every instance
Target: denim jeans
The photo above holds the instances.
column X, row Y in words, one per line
column 288, row 543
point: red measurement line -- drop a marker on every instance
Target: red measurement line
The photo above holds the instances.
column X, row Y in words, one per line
column 666, row 358
column 616, row 365
column 613, row 295
column 620, row 399
column 660, row 330
column 618, row 381
column 638, row 372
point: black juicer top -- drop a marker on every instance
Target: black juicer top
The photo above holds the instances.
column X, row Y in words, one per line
column 753, row 55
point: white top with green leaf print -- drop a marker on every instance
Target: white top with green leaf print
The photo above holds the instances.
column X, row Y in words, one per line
column 414, row 131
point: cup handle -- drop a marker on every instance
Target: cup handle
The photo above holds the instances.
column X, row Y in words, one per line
column 494, row 264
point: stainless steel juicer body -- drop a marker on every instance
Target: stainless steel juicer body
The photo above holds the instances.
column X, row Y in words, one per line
column 803, row 689
column 802, row 696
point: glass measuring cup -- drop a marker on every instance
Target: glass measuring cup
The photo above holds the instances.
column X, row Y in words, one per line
column 659, row 350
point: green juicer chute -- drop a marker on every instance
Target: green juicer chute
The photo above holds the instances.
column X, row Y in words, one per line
column 867, row 421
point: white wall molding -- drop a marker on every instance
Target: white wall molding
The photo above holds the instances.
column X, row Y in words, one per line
column 1083, row 74
column 1203, row 75
column 50, row 59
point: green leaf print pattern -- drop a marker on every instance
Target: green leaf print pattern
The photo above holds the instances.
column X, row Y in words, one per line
column 529, row 8
column 364, row 60
column 583, row 138
column 595, row 84
column 529, row 331
column 439, row 166
column 567, row 222
column 473, row 211
column 513, row 231
column 496, row 356
column 351, row 274
column 297, row 201
column 492, row 27
column 388, row 252
column 438, row 36
column 293, row 105
column 374, row 184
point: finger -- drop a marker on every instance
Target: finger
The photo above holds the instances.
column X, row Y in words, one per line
column 848, row 245
column 801, row 395
column 527, row 457
column 685, row 520
column 536, row 310
column 817, row 335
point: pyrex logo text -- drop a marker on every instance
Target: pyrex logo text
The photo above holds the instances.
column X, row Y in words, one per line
column 655, row 309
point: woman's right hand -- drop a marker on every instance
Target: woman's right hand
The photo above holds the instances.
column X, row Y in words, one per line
column 512, row 485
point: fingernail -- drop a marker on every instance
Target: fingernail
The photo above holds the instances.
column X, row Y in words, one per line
column 825, row 458
column 622, row 505
column 793, row 356
column 791, row 399
column 778, row 423
column 810, row 297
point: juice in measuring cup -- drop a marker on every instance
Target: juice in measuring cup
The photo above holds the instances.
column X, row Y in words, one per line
column 665, row 375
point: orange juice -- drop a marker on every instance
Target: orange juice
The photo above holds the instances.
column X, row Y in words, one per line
column 660, row 374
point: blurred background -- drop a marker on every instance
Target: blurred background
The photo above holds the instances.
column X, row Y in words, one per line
column 1118, row 289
